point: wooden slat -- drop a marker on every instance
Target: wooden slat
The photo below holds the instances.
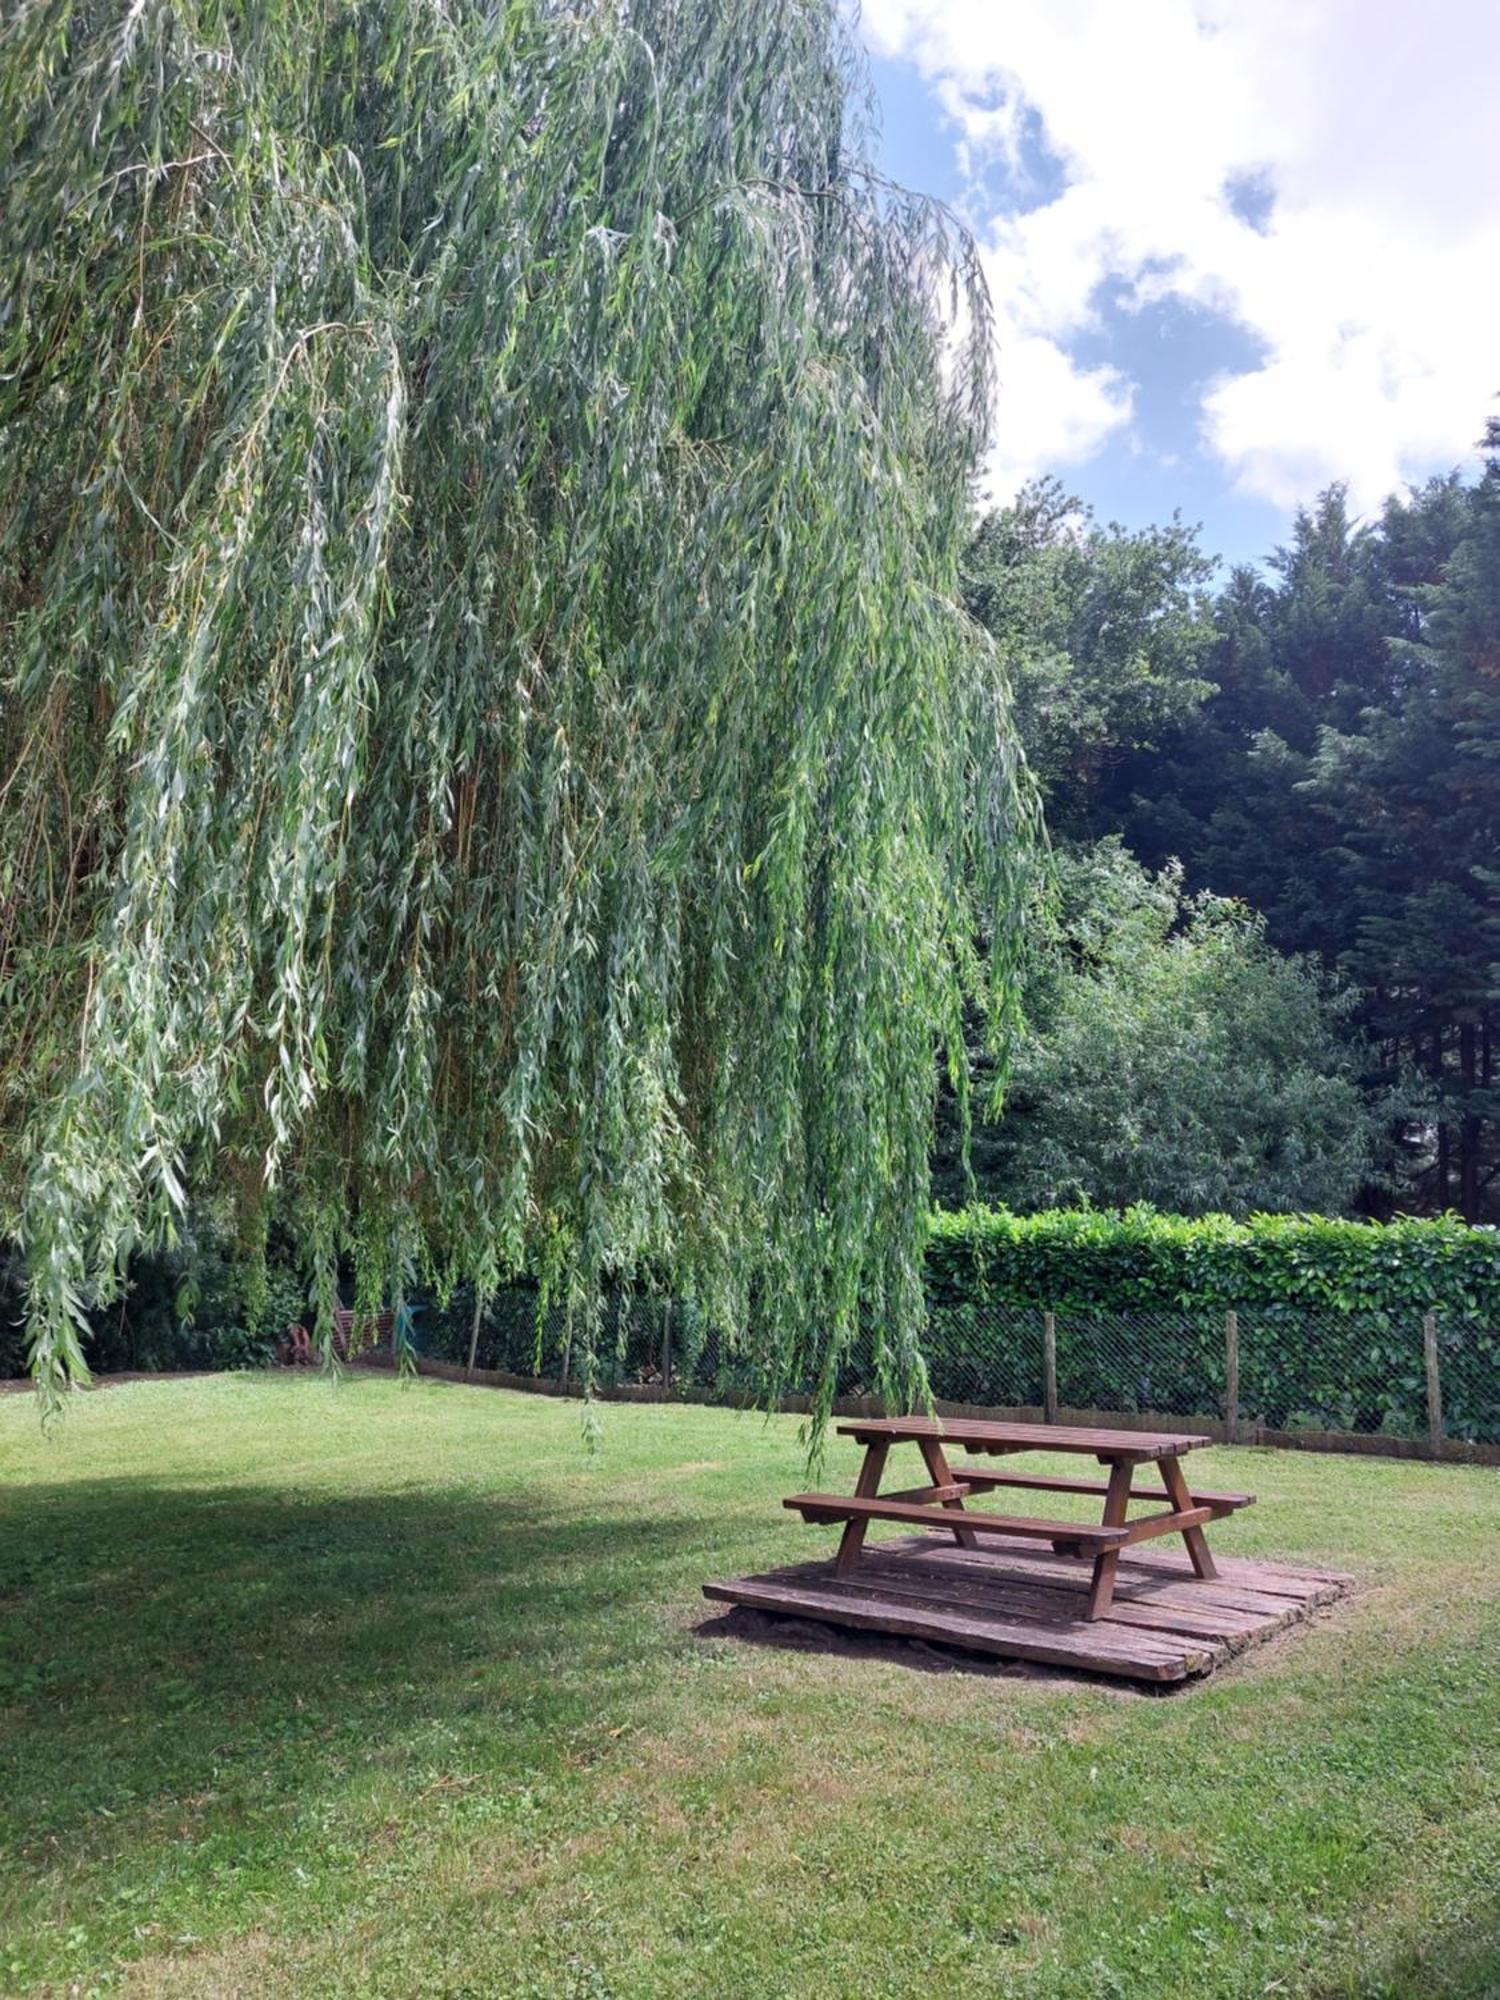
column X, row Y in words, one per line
column 1174, row 1480
column 908, row 1577
column 1116, row 1500
column 935, row 1459
column 1140, row 1642
column 1046, row 1482
column 870, row 1474
column 956, row 1489
column 1168, row 1565
column 928, row 1566
column 1012, row 1599
column 1147, row 1574
column 842, row 1507
column 976, row 1435
column 1097, row 1652
column 1147, row 1526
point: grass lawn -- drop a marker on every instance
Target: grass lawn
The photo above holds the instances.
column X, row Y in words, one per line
column 374, row 1689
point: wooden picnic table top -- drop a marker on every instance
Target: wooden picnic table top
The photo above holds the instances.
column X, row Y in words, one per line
column 978, row 1435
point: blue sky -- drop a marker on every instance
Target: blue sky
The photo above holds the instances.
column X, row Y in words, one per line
column 1238, row 248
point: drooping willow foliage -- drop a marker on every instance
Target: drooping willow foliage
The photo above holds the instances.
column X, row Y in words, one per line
column 491, row 771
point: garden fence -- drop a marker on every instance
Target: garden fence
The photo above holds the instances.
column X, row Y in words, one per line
column 1262, row 1374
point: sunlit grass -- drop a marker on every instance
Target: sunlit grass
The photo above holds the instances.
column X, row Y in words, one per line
column 382, row 1690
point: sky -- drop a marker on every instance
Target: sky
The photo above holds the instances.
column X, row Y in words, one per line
column 1237, row 249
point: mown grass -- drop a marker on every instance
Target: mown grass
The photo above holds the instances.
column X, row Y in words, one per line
column 384, row 1690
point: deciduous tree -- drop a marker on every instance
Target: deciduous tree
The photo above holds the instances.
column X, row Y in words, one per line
column 493, row 765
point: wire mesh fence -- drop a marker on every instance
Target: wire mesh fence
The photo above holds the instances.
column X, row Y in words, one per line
column 1264, row 1372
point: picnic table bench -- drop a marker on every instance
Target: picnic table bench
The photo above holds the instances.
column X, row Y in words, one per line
column 942, row 1503
column 352, row 1334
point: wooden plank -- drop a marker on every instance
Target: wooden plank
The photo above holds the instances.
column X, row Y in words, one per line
column 954, row 1490
column 1099, row 1651
column 1256, row 1586
column 1095, row 1649
column 1138, row 1644
column 1116, row 1501
column 1167, row 1562
column 1191, row 1596
column 1172, row 1477
column 937, row 1471
column 1046, row 1482
column 975, row 1435
column 1147, row 1527
column 1201, row 1613
column 853, row 1538
column 838, row 1507
column 1146, row 1635
column 1052, row 1605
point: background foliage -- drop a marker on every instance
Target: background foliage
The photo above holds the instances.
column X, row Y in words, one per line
column 1344, row 779
column 1171, row 1054
column 1106, row 634
column 1319, row 741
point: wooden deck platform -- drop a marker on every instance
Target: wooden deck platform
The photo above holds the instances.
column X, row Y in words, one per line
column 1012, row 1600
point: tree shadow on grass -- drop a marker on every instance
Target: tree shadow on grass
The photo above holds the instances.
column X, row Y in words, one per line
column 175, row 1662
column 1460, row 1961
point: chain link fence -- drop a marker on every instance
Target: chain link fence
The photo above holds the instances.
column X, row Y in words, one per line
column 1267, row 1373
column 1261, row 1372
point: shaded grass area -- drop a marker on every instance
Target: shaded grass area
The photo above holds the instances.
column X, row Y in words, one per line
column 375, row 1689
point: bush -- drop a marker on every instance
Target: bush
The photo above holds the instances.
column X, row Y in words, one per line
column 1114, row 1261
column 1330, row 1312
column 197, row 1307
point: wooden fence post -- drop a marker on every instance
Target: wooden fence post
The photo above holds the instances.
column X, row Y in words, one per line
column 666, row 1348
column 1232, row 1375
column 1434, row 1385
column 1049, row 1367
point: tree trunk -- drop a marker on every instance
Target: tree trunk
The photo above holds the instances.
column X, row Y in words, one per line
column 1469, row 1126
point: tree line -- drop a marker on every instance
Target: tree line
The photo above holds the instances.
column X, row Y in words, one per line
column 1268, row 974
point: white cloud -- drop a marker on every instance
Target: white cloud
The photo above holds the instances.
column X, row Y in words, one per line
column 1056, row 413
column 1373, row 288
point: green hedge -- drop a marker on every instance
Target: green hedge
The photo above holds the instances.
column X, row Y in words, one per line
column 1330, row 1314
column 1105, row 1261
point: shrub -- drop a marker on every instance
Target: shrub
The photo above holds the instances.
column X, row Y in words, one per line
column 1113, row 1261
column 1330, row 1312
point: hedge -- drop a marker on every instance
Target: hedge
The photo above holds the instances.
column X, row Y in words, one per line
column 1095, row 1260
column 1330, row 1312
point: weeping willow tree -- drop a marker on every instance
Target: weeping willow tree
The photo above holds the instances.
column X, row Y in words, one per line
column 492, row 774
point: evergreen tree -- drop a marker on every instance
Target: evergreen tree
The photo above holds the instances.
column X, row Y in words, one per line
column 1411, row 798
column 1343, row 782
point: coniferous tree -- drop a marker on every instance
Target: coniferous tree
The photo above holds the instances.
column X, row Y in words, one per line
column 1411, row 797
column 1342, row 781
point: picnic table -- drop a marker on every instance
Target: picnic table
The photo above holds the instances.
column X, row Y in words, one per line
column 943, row 1501
column 352, row 1334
